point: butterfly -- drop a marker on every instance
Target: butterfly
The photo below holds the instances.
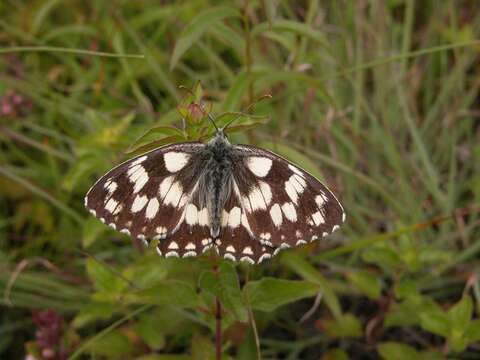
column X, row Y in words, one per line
column 244, row 202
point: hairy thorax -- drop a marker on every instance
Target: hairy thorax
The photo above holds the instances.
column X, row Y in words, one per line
column 216, row 182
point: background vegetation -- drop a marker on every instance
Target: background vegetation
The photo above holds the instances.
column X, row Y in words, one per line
column 378, row 98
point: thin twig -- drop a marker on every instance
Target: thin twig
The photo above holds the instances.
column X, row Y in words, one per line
column 218, row 328
column 218, row 320
column 252, row 319
column 68, row 50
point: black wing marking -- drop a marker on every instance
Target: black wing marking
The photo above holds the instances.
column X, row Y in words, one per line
column 146, row 196
column 285, row 206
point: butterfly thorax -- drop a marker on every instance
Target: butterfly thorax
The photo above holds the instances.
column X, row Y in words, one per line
column 215, row 183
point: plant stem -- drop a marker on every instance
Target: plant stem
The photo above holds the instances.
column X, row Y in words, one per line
column 218, row 321
column 218, row 330
column 248, row 53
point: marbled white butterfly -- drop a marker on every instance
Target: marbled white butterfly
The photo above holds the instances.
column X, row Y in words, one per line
column 244, row 202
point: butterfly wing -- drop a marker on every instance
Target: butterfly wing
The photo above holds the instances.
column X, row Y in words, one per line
column 146, row 196
column 236, row 241
column 284, row 205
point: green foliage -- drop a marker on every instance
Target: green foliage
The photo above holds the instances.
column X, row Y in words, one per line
column 379, row 99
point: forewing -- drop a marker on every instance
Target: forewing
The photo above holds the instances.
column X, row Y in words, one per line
column 285, row 206
column 146, row 196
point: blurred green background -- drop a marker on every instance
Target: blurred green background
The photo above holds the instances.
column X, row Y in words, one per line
column 380, row 99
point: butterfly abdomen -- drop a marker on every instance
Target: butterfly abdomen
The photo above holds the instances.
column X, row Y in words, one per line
column 217, row 179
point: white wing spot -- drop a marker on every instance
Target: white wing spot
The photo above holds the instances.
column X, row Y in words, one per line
column 300, row 242
column 266, row 192
column 152, row 208
column 276, row 215
column 234, row 218
column 138, row 161
column 174, row 194
column 256, row 199
column 291, row 191
column 318, row 218
column 344, row 216
column 191, row 214
column 173, row 246
column 320, row 200
column 165, row 186
column 125, row 231
column 171, row 254
column 260, row 166
column 247, row 260
column 296, row 170
column 206, row 242
column 190, row 246
column 247, row 250
column 139, row 203
column 289, row 211
column 335, row 228
column 282, row 246
column 264, row 257
column 111, row 205
column 117, row 209
column 175, row 161
column 203, row 217
column 266, row 242
column 190, row 254
column 230, row 248
column 159, row 252
column 229, row 256
column 111, row 186
column 265, row 236
column 139, row 176
column 161, row 232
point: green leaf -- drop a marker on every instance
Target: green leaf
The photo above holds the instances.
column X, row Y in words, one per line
column 149, row 330
column 104, row 279
column 460, row 314
column 270, row 293
column 153, row 134
column 382, row 256
column 146, row 272
column 92, row 228
column 164, row 357
column 92, row 312
column 155, row 144
column 235, row 93
column 473, row 331
column 294, row 156
column 367, row 282
column 346, row 326
column 168, row 292
column 335, row 354
column 406, row 288
column 435, row 321
column 112, row 344
column 308, row 272
column 202, row 348
column 195, row 29
column 271, row 10
column 396, row 351
column 295, row 27
column 226, row 287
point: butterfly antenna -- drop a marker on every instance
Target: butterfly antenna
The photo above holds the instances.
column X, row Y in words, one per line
column 213, row 121
column 230, row 122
